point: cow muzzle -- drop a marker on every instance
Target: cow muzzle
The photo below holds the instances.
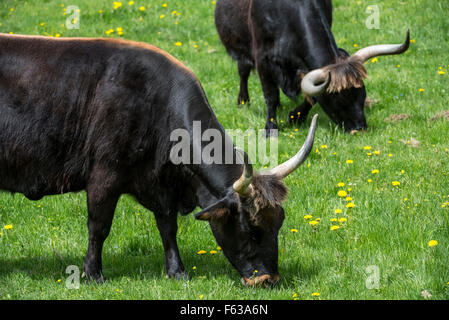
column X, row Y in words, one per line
column 261, row 281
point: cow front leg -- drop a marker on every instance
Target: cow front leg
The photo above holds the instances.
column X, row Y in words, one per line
column 299, row 115
column 272, row 100
column 167, row 225
column 244, row 72
column 101, row 204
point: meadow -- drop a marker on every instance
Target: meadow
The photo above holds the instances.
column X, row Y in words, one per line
column 395, row 173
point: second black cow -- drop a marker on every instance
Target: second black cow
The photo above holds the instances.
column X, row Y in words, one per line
column 291, row 45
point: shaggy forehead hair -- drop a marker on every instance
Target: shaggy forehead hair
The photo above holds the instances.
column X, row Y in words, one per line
column 346, row 73
column 268, row 192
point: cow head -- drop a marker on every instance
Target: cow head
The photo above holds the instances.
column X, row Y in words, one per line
column 246, row 222
column 339, row 87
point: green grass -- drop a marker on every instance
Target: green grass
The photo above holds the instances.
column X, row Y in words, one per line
column 383, row 229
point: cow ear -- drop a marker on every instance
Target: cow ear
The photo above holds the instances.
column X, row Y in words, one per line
column 216, row 211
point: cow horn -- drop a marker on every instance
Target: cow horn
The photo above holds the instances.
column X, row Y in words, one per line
column 383, row 49
column 243, row 185
column 315, row 82
column 284, row 169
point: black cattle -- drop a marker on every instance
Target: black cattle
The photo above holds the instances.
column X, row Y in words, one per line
column 96, row 115
column 291, row 45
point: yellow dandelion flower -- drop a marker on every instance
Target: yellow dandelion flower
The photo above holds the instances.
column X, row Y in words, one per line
column 8, row 227
column 294, row 230
column 333, row 228
column 374, row 60
column 201, row 296
column 142, row 8
column 162, row 16
column 342, row 193
column 131, row 3
column 396, row 183
column 313, row 222
column 348, row 199
column 334, row 220
column 350, row 205
column 341, row 184
column 178, row 43
column 376, row 152
column 337, row 211
column 375, row 171
column 367, row 147
column 421, row 90
column 324, row 146
column 116, row 5
column 201, row 252
column 342, row 220
column 307, row 217
column 164, row 5
column 370, row 180
column 349, row 161
column 213, row 252
column 315, row 294
column 432, row 243
column 194, row 268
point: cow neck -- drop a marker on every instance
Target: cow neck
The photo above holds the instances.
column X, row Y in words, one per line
column 219, row 177
column 319, row 41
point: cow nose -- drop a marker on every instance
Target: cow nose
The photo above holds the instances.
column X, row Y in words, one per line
column 263, row 280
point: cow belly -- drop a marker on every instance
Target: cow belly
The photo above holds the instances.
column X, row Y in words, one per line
column 32, row 160
column 36, row 180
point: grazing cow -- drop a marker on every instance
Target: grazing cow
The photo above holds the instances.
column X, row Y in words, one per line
column 291, row 45
column 96, row 115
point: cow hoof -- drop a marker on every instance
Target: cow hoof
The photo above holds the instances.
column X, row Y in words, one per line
column 93, row 277
column 243, row 102
column 271, row 129
column 271, row 133
column 181, row 276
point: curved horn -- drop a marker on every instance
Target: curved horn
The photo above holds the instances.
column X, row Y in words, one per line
column 383, row 49
column 315, row 82
column 243, row 185
column 284, row 169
